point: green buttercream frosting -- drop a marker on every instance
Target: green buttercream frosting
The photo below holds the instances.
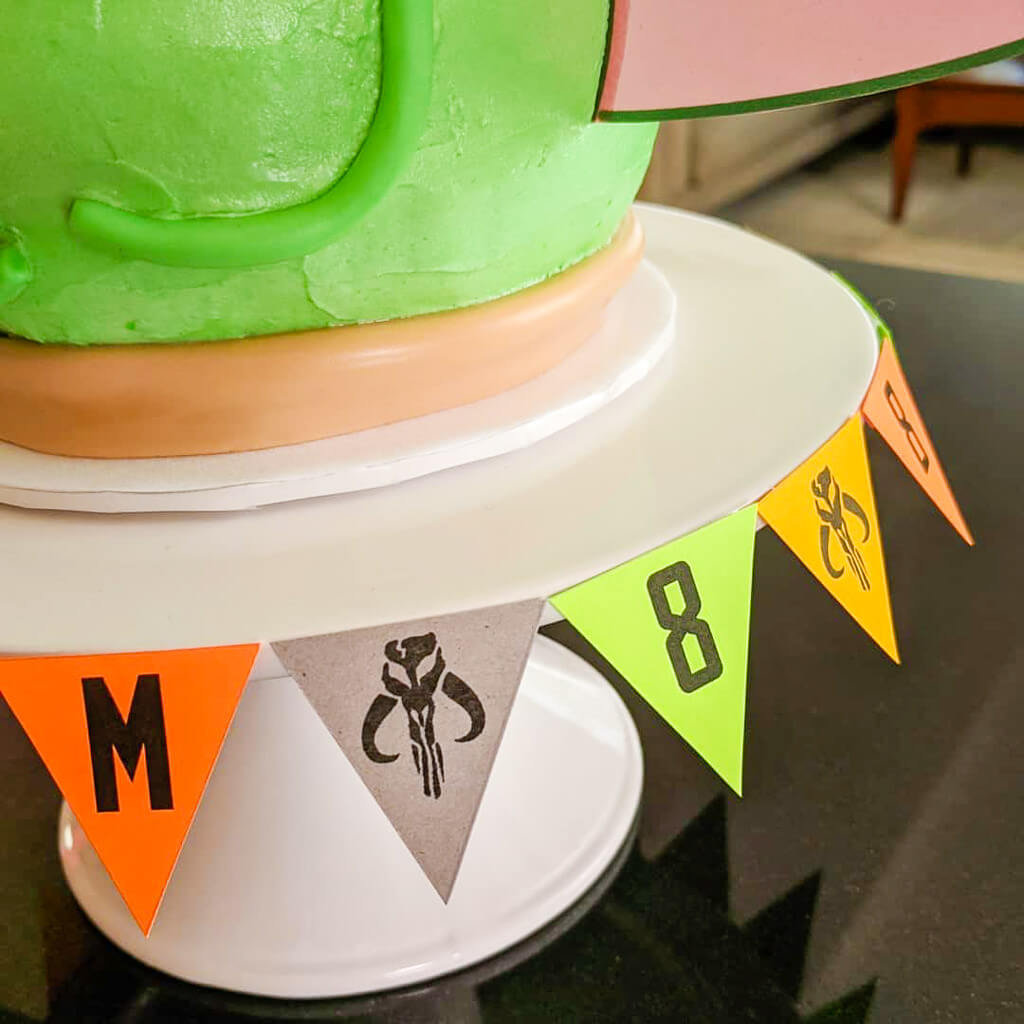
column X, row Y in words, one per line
column 242, row 167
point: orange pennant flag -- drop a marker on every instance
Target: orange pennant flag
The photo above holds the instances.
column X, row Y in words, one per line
column 130, row 740
column 825, row 513
column 890, row 408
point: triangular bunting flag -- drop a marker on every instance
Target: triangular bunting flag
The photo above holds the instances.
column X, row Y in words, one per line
column 130, row 740
column 825, row 513
column 890, row 408
column 419, row 709
column 676, row 623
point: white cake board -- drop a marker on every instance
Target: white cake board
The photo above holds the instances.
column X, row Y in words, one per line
column 771, row 355
column 638, row 330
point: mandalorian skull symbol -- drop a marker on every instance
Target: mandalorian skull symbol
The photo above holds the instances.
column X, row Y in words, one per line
column 417, row 696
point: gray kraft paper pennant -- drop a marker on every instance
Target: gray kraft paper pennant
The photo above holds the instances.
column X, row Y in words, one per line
column 419, row 709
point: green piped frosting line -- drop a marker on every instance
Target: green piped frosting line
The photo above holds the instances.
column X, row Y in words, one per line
column 407, row 48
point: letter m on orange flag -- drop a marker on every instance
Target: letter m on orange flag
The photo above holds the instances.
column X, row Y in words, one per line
column 130, row 740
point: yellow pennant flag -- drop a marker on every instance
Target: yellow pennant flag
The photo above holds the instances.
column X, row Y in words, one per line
column 825, row 513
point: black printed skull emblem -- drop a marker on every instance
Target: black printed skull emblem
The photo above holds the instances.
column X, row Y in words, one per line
column 832, row 502
column 416, row 693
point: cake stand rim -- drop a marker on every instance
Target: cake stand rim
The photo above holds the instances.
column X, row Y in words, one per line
column 518, row 527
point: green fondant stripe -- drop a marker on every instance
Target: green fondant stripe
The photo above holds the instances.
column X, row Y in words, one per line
column 407, row 56
column 836, row 92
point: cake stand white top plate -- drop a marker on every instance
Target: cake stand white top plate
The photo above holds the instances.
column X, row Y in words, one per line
column 771, row 356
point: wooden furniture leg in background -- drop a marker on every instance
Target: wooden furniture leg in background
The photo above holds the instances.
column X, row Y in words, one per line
column 904, row 145
column 963, row 158
column 952, row 101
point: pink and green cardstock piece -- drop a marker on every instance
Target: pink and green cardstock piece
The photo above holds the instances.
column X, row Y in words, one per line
column 671, row 60
column 675, row 623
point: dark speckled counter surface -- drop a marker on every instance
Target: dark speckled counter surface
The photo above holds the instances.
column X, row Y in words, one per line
column 872, row 872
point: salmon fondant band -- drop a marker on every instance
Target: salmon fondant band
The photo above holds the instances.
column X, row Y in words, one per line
column 144, row 401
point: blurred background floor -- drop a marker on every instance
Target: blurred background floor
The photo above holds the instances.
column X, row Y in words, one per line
column 838, row 206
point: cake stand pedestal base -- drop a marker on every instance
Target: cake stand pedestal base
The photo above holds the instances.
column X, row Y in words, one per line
column 292, row 883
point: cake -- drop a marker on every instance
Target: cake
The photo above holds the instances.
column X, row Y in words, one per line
column 250, row 196
column 234, row 226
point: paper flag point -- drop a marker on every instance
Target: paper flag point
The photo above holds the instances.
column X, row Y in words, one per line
column 419, row 709
column 890, row 408
column 675, row 623
column 130, row 740
column 825, row 512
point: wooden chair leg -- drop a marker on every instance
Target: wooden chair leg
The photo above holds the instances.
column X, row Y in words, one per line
column 963, row 159
column 904, row 146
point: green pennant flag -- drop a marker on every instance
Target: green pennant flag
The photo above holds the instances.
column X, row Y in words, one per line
column 675, row 623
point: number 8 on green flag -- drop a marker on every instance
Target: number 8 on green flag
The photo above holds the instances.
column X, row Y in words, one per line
column 682, row 624
column 675, row 622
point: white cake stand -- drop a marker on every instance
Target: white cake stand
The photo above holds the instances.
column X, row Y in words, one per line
column 291, row 882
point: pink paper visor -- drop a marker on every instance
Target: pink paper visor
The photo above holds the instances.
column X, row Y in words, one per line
column 691, row 58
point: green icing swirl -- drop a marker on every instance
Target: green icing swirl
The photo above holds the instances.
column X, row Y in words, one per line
column 407, row 35
column 208, row 112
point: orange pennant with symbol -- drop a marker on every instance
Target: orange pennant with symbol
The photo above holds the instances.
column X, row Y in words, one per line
column 130, row 740
column 890, row 408
column 825, row 513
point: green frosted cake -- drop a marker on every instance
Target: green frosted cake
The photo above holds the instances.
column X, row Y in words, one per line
column 487, row 175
